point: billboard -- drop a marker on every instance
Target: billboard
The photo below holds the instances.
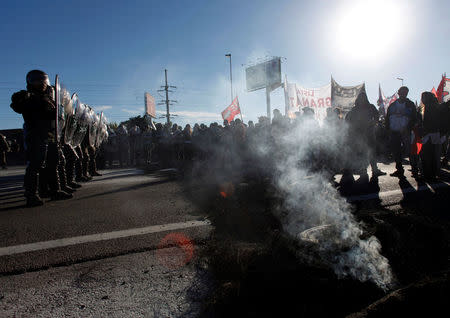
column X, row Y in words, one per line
column 150, row 105
column 263, row 75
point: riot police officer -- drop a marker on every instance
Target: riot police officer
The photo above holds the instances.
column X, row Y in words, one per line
column 37, row 106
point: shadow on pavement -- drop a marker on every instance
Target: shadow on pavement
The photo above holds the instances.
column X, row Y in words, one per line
column 11, row 188
column 129, row 188
column 120, row 176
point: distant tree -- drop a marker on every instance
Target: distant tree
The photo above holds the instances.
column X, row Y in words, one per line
column 138, row 121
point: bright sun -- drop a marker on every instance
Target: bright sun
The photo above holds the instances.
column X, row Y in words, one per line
column 367, row 29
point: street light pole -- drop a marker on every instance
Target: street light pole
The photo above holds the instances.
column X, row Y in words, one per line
column 231, row 77
column 400, row 79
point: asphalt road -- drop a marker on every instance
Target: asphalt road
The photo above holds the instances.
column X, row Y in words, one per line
column 120, row 200
column 100, row 253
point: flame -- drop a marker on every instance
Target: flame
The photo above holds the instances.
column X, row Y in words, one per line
column 226, row 189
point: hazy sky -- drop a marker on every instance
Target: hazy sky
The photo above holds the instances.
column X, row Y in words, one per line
column 111, row 52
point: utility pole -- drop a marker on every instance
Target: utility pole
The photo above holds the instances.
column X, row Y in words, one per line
column 167, row 101
column 166, row 88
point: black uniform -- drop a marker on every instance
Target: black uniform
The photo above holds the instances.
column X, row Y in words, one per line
column 39, row 112
column 38, row 109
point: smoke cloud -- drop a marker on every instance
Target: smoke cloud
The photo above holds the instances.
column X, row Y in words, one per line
column 314, row 211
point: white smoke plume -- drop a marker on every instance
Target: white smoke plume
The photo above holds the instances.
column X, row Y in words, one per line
column 311, row 201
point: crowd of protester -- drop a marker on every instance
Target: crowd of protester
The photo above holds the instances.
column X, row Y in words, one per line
column 364, row 137
column 342, row 144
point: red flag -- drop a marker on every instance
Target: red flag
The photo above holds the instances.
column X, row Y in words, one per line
column 434, row 92
column 231, row 110
column 416, row 146
column 443, row 89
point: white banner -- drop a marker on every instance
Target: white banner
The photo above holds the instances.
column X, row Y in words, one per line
column 319, row 99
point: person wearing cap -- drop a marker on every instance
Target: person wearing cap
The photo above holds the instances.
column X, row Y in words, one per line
column 401, row 117
column 37, row 106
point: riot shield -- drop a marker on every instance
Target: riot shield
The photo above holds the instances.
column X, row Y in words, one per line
column 57, row 102
column 71, row 123
column 102, row 130
column 63, row 106
column 83, row 121
column 93, row 126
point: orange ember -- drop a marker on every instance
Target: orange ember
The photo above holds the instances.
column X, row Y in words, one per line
column 226, row 189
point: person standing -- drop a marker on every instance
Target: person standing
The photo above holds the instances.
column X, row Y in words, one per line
column 431, row 140
column 362, row 120
column 134, row 138
column 445, row 131
column 124, row 146
column 401, row 116
column 37, row 106
column 4, row 148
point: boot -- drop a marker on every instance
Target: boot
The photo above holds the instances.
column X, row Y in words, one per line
column 74, row 185
column 43, row 184
column 44, row 194
column 30, row 184
column 60, row 195
column 33, row 201
column 68, row 189
column 83, row 179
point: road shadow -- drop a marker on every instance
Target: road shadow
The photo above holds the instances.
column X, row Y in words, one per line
column 129, row 188
column 11, row 188
column 117, row 176
column 368, row 190
column 412, row 194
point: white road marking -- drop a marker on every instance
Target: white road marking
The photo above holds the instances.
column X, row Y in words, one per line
column 385, row 194
column 38, row 246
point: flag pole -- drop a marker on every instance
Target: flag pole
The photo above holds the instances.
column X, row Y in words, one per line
column 286, row 97
column 231, row 77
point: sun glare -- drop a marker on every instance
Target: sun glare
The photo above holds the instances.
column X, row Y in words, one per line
column 368, row 29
